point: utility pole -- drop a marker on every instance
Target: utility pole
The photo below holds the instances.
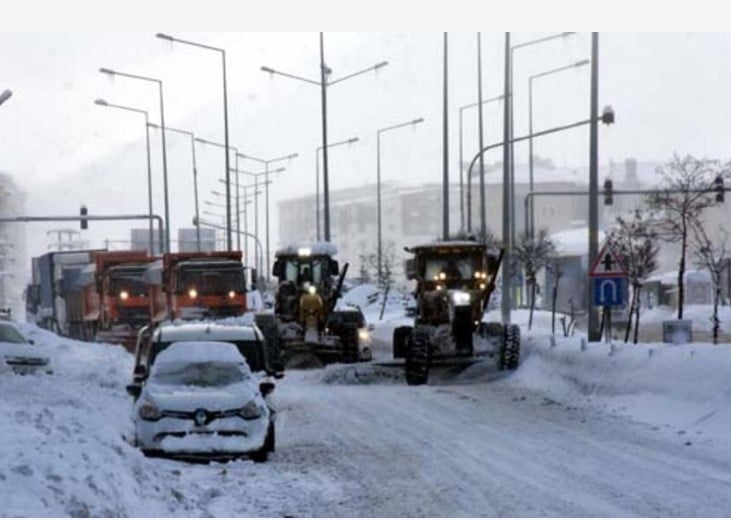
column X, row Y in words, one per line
column 445, row 148
column 593, row 322
column 506, row 286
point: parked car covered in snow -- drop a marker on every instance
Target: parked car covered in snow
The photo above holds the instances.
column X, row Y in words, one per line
column 19, row 354
column 201, row 400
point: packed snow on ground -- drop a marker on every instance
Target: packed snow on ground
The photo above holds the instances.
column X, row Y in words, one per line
column 580, row 429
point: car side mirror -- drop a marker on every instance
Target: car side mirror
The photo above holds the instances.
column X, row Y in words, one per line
column 135, row 389
column 410, row 268
column 266, row 387
column 32, row 342
column 371, row 327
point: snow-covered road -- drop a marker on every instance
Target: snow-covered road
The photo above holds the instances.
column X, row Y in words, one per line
column 356, row 441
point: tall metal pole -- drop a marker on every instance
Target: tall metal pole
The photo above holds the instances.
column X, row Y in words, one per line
column 445, row 149
column 378, row 198
column 325, row 185
column 505, row 302
column 483, row 210
column 317, row 192
column 195, row 191
column 164, row 171
column 266, row 191
column 149, row 184
column 461, row 178
column 593, row 323
column 530, row 156
column 238, row 207
column 228, row 164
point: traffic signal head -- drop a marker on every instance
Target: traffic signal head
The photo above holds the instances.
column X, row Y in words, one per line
column 84, row 223
column 608, row 194
column 718, row 187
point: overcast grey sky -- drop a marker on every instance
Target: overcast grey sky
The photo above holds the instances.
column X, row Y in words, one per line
column 670, row 92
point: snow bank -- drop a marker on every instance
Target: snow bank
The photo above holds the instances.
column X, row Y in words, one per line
column 686, row 386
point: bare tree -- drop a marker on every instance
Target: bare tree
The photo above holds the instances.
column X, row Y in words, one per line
column 555, row 268
column 634, row 241
column 369, row 265
column 533, row 253
column 714, row 257
column 686, row 193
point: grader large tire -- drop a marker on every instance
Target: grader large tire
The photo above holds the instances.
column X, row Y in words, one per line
column 418, row 359
column 510, row 353
column 269, row 327
column 400, row 337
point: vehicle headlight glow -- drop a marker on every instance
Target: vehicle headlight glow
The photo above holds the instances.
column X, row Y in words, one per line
column 232, row 295
column 460, row 298
column 483, row 286
column 149, row 412
column 364, row 334
column 193, row 293
column 250, row 411
column 304, row 251
column 442, row 275
column 478, row 274
column 123, row 295
column 312, row 289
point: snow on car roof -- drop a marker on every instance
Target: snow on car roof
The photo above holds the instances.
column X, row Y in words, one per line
column 199, row 352
column 205, row 331
column 316, row 248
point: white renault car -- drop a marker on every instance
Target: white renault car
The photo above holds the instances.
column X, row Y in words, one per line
column 201, row 400
column 20, row 355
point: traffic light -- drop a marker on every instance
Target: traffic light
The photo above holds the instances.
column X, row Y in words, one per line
column 718, row 187
column 84, row 223
column 608, row 195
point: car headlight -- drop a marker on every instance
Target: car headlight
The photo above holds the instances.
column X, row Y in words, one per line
column 363, row 334
column 231, row 295
column 123, row 295
column 250, row 411
column 460, row 298
column 193, row 293
column 149, row 412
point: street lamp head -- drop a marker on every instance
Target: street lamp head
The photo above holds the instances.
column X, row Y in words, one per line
column 608, row 115
column 278, row 170
column 6, row 94
column 567, row 33
column 107, row 71
column 267, row 69
column 102, row 102
column 381, row 64
column 164, row 36
column 417, row 121
column 153, row 125
column 353, row 140
column 582, row 63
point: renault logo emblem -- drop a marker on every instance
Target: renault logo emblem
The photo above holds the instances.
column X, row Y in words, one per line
column 200, row 417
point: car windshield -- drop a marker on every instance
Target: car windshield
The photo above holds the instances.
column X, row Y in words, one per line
column 128, row 280
column 203, row 374
column 453, row 267
column 301, row 270
column 211, row 281
column 252, row 351
column 8, row 334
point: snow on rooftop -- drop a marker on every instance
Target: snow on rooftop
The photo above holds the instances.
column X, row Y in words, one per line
column 574, row 241
column 671, row 277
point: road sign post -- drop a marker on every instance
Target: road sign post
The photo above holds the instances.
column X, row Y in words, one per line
column 609, row 285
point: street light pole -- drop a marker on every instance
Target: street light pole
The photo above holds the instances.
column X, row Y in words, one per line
column 225, row 123
column 317, row 180
column 593, row 321
column 461, row 161
column 266, row 163
column 483, row 211
column 378, row 186
column 164, row 152
column 530, row 226
column 505, row 300
column 445, row 144
column 195, row 174
column 104, row 103
column 323, row 83
column 6, row 94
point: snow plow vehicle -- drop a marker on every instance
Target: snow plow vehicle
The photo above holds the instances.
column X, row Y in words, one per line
column 455, row 279
column 203, row 285
column 306, row 328
column 115, row 296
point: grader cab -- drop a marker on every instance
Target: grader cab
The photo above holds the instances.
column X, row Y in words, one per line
column 454, row 281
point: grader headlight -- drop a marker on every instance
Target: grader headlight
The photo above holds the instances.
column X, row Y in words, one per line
column 460, row 298
column 123, row 295
column 192, row 293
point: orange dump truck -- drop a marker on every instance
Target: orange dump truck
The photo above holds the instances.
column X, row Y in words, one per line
column 116, row 304
column 203, row 285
